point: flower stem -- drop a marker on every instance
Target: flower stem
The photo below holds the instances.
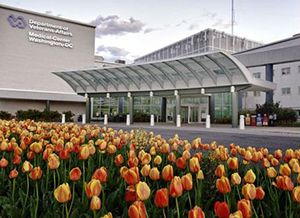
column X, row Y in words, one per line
column 237, row 188
column 54, row 180
column 83, row 179
column 37, row 199
column 58, row 177
column 177, row 208
column 94, row 212
column 67, row 212
column 164, row 212
column 73, row 196
column 13, row 191
column 27, row 192
column 190, row 200
column 254, row 210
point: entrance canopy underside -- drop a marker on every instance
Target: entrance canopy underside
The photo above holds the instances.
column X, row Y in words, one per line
column 216, row 69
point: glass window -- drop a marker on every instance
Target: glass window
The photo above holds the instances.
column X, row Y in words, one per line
column 286, row 71
column 257, row 75
column 286, row 91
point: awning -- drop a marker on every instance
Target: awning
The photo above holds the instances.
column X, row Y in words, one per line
column 208, row 70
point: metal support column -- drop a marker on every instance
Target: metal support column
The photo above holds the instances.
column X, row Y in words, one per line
column 269, row 77
column 47, row 105
column 130, row 102
column 88, row 108
column 163, row 109
column 234, row 107
column 177, row 103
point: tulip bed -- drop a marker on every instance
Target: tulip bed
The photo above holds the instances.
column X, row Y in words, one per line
column 68, row 170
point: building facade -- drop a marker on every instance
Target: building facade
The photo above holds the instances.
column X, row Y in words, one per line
column 32, row 46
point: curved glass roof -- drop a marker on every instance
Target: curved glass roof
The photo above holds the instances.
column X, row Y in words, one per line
column 215, row 69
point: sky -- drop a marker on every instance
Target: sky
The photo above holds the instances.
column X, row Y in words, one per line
column 127, row 29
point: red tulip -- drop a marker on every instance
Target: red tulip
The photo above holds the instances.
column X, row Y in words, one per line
column 221, row 209
column 137, row 210
column 196, row 212
column 161, row 198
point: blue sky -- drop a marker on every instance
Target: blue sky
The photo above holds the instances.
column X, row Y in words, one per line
column 127, row 29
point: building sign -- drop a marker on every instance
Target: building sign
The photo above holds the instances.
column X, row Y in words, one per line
column 43, row 32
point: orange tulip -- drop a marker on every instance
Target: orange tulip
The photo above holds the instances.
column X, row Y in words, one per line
column 84, row 152
column 157, row 160
column 13, row 174
column 220, row 170
column 274, row 162
column 260, row 193
column 161, row 198
column 196, row 212
column 221, row 209
column 26, row 167
column 3, row 163
column 278, row 154
column 172, row 157
column 142, row 191
column 131, row 176
column 233, row 163
column 93, row 188
column 36, row 147
column 285, row 170
column 237, row 214
column 108, row 215
column 200, row 175
column 137, row 210
column 235, row 179
column 194, row 165
column 95, row 203
column 145, row 170
column 296, row 194
column 111, row 149
column 165, row 148
column 223, row 185
column 266, row 163
column 53, row 161
column 249, row 191
column 186, row 154
column 187, row 182
column 176, row 188
column 154, row 174
column 119, row 160
column 167, row 173
column 298, row 178
column 75, row 174
column 245, row 207
column 248, row 155
column 36, row 173
column 16, row 159
column 284, row 183
column 250, row 176
column 62, row 193
column 181, row 163
column 100, row 174
column 271, row 172
column 130, row 194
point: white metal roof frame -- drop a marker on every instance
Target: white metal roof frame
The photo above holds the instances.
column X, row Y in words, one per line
column 213, row 69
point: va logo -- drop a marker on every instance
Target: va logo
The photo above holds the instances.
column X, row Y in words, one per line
column 18, row 21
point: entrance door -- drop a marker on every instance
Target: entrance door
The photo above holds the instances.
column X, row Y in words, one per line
column 184, row 113
column 194, row 114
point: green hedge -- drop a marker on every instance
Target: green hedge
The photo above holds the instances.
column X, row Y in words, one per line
column 4, row 115
column 48, row 116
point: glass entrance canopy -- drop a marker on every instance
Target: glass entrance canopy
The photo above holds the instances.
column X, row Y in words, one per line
column 208, row 70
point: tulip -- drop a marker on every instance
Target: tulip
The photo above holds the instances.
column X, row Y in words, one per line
column 250, row 176
column 196, row 212
column 64, row 154
column 161, row 198
column 53, row 161
column 131, row 176
column 26, row 167
column 285, row 170
column 108, row 215
column 181, row 163
column 284, row 183
column 167, row 173
column 186, row 154
column 298, row 178
column 187, row 182
column 172, row 157
column 62, row 193
column 111, row 149
column 194, row 165
column 84, row 152
column 266, row 163
column 245, row 207
column 35, row 173
column 154, row 174
column 130, row 194
column 278, row 154
column 13, row 174
column 200, row 175
column 260, row 193
column 137, row 210
column 176, row 188
column 100, row 174
column 223, row 185
column 233, row 163
column 235, row 179
column 119, row 160
column 271, row 172
column 296, row 194
column 274, row 162
column 220, row 170
column 75, row 174
column 142, row 191
column 221, row 209
column 3, row 163
column 93, row 188
column 95, row 203
column 248, row 155
column 249, row 191
column 237, row 214
column 36, row 147
column 157, row 160
column 16, row 159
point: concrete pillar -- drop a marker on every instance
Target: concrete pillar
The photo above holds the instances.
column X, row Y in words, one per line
column 242, row 122
column 87, row 108
column 105, row 119
column 177, row 108
column 207, row 121
column 152, row 120
column 83, row 119
column 130, row 107
column 269, row 77
column 63, row 118
column 128, row 120
column 47, row 105
column 234, row 107
column 163, row 109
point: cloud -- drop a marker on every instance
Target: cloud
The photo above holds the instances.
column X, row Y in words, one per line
column 150, row 29
column 209, row 14
column 220, row 23
column 193, row 26
column 181, row 23
column 112, row 53
column 114, row 25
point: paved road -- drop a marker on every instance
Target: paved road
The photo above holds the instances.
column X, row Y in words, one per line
column 270, row 138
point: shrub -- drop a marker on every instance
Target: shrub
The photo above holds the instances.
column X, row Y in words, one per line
column 4, row 115
column 69, row 116
column 49, row 116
